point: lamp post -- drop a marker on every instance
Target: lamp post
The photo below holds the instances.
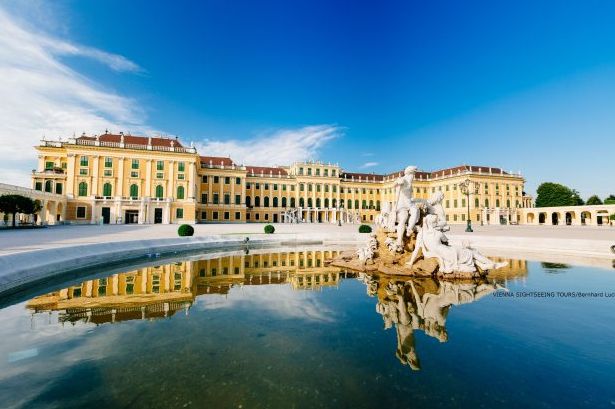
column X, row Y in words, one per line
column 464, row 187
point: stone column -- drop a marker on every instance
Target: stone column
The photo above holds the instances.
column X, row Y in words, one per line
column 147, row 192
column 95, row 166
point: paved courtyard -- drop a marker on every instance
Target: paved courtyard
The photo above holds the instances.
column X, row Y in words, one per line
column 12, row 241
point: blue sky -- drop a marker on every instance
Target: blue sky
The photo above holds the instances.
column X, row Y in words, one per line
column 526, row 86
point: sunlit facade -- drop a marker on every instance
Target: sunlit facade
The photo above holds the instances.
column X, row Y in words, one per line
column 129, row 179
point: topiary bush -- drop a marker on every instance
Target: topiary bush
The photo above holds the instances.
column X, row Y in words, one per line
column 364, row 228
column 185, row 230
column 269, row 229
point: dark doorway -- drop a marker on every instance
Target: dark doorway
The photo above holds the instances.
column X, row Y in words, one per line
column 541, row 218
column 157, row 215
column 275, row 218
column 131, row 217
column 554, row 219
column 106, row 215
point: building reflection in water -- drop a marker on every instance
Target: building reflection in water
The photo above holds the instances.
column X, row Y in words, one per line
column 161, row 291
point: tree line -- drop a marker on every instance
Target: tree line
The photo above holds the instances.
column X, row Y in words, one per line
column 13, row 204
column 554, row 194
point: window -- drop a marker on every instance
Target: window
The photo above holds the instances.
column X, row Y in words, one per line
column 180, row 192
column 108, row 162
column 38, row 186
column 159, row 192
column 83, row 189
column 326, row 172
column 181, row 176
column 334, row 188
column 135, row 164
column 181, row 166
column 266, row 201
column 248, row 201
column 227, row 216
column 455, row 203
column 204, row 179
column 266, row 186
column 292, row 202
column 476, row 202
column 302, row 187
column 310, row 187
column 333, row 172
column 309, row 171
column 83, row 161
column 203, row 197
column 58, row 188
column 215, row 215
column 134, row 174
column 257, row 201
column 227, row 180
column 107, row 189
column 159, row 175
column 301, row 171
column 227, row 199
column 48, row 186
column 203, row 215
column 317, row 172
column 80, row 212
column 216, row 179
column 83, row 172
column 275, row 186
column 283, row 202
column 237, row 217
column 48, row 165
column 283, row 188
column 237, row 199
column 292, row 188
column 134, row 191
column 318, row 188
column 257, row 186
column 216, row 198
column 108, row 173
column 179, row 213
column 275, row 202
column 238, row 181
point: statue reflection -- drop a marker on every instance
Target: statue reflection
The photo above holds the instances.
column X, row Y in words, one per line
column 420, row 304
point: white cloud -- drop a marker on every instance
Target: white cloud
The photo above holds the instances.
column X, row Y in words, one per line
column 369, row 164
column 42, row 95
column 278, row 147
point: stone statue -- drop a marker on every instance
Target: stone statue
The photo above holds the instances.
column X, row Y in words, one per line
column 451, row 259
column 406, row 212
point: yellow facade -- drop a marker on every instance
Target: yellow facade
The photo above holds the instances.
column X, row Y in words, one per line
column 129, row 179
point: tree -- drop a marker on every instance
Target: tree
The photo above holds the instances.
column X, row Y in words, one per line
column 594, row 200
column 553, row 194
column 610, row 200
column 13, row 204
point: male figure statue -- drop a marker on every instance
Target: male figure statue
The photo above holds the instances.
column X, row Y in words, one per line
column 404, row 207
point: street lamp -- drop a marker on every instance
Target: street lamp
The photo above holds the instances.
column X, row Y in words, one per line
column 465, row 190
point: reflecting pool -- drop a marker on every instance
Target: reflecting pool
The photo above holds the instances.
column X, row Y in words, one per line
column 284, row 330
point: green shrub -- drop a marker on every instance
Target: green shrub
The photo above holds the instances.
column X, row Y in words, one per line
column 612, row 217
column 364, row 228
column 185, row 230
column 269, row 229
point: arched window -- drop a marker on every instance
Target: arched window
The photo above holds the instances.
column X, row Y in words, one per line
column 301, row 187
column 257, row 201
column 283, row 202
column 301, row 202
column 363, row 204
column 334, row 203
column 159, row 192
column 497, row 203
column 476, row 202
column 508, row 203
column 327, row 203
column 83, row 189
column 180, row 192
column 378, row 205
column 486, row 202
column 371, row 204
column 356, row 204
column 134, row 191
column 349, row 206
column 248, row 201
column 266, row 200
column 310, row 187
column 107, row 189
column 309, row 202
column 275, row 202
column 48, row 186
column 318, row 202
column 292, row 202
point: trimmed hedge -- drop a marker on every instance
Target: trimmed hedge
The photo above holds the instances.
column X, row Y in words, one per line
column 364, row 228
column 269, row 229
column 185, row 230
column 612, row 217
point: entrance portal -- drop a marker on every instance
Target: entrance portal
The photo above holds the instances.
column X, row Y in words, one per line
column 106, row 215
column 275, row 218
column 157, row 215
column 131, row 217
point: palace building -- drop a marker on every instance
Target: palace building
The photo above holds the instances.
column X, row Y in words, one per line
column 122, row 178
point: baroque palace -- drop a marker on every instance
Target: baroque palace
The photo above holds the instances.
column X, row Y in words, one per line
column 123, row 178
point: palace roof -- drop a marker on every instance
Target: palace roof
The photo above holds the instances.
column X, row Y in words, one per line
column 257, row 170
column 217, row 160
column 134, row 140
